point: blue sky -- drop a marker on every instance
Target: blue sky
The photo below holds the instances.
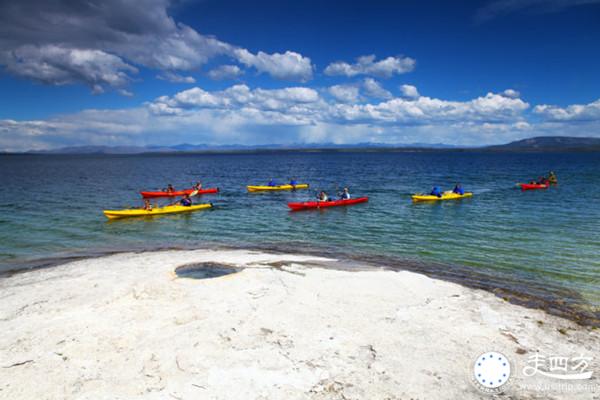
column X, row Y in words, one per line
column 222, row 72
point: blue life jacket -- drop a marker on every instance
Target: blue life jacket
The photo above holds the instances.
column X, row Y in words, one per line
column 436, row 192
column 293, row 182
column 459, row 190
column 272, row 183
column 186, row 202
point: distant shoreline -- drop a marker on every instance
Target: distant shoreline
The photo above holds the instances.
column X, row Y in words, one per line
column 542, row 144
column 594, row 149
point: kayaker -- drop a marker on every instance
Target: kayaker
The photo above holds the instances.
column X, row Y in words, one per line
column 197, row 186
column 293, row 182
column 147, row 206
column 458, row 189
column 170, row 188
column 272, row 182
column 345, row 195
column 186, row 201
column 552, row 178
column 322, row 196
column 436, row 192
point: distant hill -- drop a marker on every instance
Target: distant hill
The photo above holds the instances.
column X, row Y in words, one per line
column 549, row 144
column 93, row 150
column 535, row 144
column 203, row 148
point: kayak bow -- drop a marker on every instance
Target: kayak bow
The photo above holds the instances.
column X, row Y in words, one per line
column 112, row 214
column 307, row 205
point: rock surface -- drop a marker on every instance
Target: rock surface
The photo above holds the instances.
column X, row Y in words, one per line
column 285, row 327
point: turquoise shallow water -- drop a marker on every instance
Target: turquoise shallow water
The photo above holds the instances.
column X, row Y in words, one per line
column 50, row 206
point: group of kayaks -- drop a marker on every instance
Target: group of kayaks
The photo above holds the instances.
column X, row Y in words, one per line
column 294, row 206
column 179, row 208
column 148, row 210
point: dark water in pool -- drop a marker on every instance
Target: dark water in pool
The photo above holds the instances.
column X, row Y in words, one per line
column 51, row 206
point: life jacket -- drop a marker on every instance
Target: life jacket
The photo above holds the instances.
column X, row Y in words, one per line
column 436, row 192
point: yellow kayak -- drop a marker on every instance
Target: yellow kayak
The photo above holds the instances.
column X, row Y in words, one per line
column 278, row 187
column 111, row 214
column 445, row 196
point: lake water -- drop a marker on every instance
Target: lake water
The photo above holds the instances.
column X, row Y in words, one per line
column 546, row 241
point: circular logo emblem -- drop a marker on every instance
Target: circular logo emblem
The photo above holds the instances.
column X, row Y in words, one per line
column 491, row 372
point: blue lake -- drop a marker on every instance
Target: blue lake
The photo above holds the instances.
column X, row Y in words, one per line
column 51, row 207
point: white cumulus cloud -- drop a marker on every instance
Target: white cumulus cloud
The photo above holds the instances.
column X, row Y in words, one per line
column 345, row 93
column 291, row 105
column 511, row 93
column 242, row 114
column 289, row 65
column 101, row 43
column 366, row 65
column 374, row 89
column 225, row 72
column 176, row 78
column 574, row 112
column 59, row 66
column 491, row 108
column 409, row 91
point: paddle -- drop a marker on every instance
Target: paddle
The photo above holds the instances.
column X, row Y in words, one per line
column 195, row 191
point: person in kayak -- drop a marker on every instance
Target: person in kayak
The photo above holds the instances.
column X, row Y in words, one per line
column 436, row 192
column 322, row 196
column 169, row 189
column 458, row 189
column 293, row 182
column 197, row 186
column 552, row 178
column 186, row 201
column 147, row 206
column 272, row 182
column 345, row 194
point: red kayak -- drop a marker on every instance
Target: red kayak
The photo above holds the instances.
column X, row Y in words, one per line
column 307, row 205
column 533, row 186
column 149, row 195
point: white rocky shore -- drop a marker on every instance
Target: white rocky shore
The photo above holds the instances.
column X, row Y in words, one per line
column 285, row 327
